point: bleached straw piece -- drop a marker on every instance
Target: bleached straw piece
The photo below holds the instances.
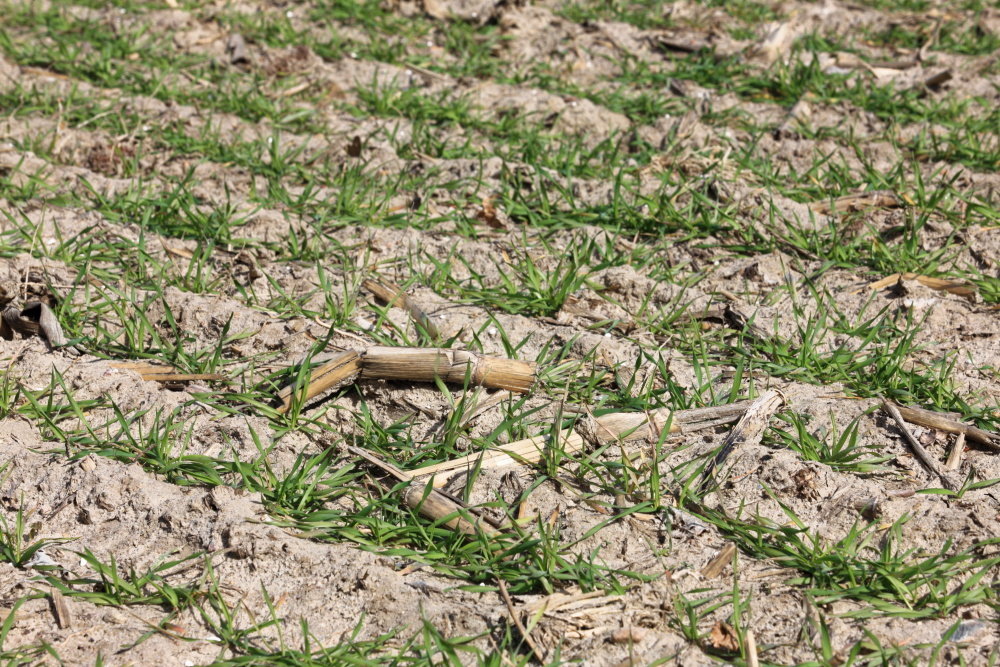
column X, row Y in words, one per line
column 944, row 422
column 954, row 461
column 436, row 506
column 428, row 364
column 162, row 372
column 430, row 502
column 333, row 372
column 960, row 289
column 629, row 426
column 529, row 450
column 749, row 429
column 858, row 202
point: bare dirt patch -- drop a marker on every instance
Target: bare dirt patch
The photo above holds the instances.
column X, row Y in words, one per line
column 639, row 198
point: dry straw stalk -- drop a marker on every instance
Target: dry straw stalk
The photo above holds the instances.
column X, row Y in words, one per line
column 942, row 422
column 529, row 450
column 429, row 502
column 163, row 373
column 330, row 374
column 430, row 364
column 433, row 504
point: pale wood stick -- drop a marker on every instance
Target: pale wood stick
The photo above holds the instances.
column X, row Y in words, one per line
column 529, row 450
column 942, row 422
column 428, row 364
column 394, row 295
column 750, row 428
column 428, row 501
column 918, row 449
column 751, row 649
column 955, row 457
column 333, row 372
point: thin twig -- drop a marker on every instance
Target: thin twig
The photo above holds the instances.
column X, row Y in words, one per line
column 947, row 422
column 517, row 621
column 918, row 449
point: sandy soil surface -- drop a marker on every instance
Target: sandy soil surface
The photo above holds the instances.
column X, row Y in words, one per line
column 247, row 558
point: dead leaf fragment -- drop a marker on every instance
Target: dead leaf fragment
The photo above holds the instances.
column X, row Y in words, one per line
column 723, row 637
column 490, row 215
column 354, row 148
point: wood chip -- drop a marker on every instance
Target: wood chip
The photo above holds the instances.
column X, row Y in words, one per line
column 954, row 461
column 715, row 566
column 341, row 368
column 61, row 609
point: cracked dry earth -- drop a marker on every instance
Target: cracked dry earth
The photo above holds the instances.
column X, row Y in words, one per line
column 153, row 198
